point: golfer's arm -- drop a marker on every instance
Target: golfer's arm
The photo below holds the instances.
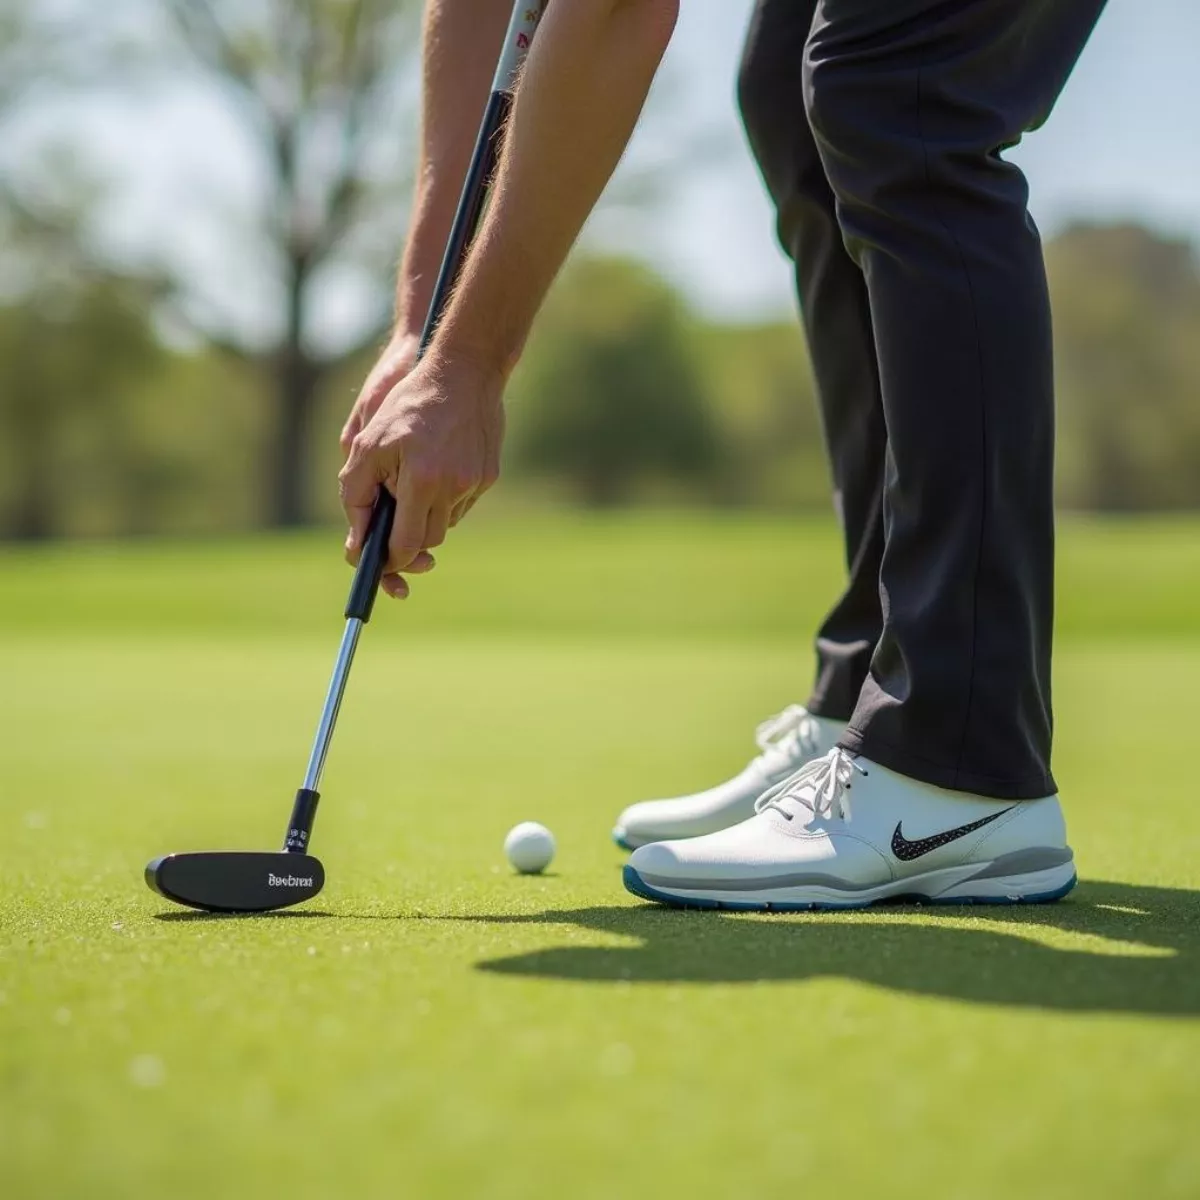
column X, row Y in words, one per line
column 461, row 43
column 583, row 87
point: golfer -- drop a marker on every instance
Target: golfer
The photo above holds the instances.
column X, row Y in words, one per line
column 919, row 765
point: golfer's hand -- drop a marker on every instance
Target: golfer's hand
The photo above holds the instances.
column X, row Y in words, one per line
column 434, row 443
column 399, row 357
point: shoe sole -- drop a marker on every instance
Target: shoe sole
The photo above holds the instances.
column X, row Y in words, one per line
column 1006, row 891
column 618, row 838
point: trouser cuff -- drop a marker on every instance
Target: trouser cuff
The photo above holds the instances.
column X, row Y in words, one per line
column 952, row 777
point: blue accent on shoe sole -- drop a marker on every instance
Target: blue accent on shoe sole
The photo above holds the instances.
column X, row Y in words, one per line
column 618, row 840
column 639, row 887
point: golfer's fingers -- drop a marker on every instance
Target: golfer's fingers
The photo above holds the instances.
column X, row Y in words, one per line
column 414, row 500
column 358, row 484
column 463, row 507
column 437, row 524
column 395, row 586
column 350, row 432
column 465, row 503
column 366, row 405
column 422, row 564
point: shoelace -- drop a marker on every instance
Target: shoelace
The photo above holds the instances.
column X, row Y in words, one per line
column 820, row 786
column 786, row 733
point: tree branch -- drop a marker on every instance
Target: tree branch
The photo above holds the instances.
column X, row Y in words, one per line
column 366, row 64
column 207, row 37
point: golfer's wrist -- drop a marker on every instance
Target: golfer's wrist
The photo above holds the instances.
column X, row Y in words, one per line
column 492, row 358
column 465, row 372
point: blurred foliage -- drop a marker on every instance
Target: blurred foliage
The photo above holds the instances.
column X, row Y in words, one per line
column 284, row 271
column 316, row 95
column 624, row 395
column 765, row 402
column 74, row 340
column 105, row 426
column 131, row 401
column 116, row 418
column 1127, row 334
column 71, row 458
column 612, row 392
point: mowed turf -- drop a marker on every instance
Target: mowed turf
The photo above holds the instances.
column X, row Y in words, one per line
column 432, row 1026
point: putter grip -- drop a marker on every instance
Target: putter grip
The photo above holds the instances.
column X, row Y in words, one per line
column 374, row 558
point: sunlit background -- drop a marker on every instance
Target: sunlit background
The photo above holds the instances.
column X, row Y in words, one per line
column 149, row 242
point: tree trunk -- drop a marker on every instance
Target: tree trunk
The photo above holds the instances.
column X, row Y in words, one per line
column 603, row 487
column 35, row 509
column 296, row 382
column 297, row 378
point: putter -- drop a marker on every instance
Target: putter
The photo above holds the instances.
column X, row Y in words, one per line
column 261, row 881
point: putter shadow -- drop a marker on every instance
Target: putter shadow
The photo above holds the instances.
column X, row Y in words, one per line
column 1133, row 950
column 196, row 915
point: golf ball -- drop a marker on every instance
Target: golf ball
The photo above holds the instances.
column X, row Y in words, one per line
column 529, row 847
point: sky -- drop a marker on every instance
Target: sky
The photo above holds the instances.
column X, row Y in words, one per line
column 1124, row 142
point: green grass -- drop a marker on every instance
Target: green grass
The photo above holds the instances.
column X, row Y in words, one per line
column 434, row 1026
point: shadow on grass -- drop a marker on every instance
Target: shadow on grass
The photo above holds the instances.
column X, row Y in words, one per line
column 1129, row 949
column 1126, row 948
column 193, row 914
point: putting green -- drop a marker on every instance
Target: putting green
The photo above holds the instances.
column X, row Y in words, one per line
column 432, row 1026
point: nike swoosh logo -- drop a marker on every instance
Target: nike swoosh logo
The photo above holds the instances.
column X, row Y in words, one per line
column 906, row 851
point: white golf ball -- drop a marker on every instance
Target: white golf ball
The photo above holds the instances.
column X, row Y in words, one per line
column 529, row 847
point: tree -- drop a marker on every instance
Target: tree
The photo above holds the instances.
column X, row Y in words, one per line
column 1127, row 308
column 74, row 330
column 72, row 338
column 772, row 449
column 611, row 390
column 315, row 86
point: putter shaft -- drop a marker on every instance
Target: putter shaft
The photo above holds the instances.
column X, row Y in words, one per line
column 333, row 702
column 304, row 811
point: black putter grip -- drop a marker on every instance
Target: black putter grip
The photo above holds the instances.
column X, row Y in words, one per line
column 374, row 558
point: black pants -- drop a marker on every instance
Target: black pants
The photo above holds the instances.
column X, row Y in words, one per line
column 878, row 126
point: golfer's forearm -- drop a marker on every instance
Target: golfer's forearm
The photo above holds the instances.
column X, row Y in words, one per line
column 462, row 40
column 584, row 85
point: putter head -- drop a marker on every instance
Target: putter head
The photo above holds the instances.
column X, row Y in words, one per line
column 236, row 880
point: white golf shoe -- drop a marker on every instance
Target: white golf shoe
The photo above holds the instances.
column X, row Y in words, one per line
column 844, row 832
column 786, row 742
